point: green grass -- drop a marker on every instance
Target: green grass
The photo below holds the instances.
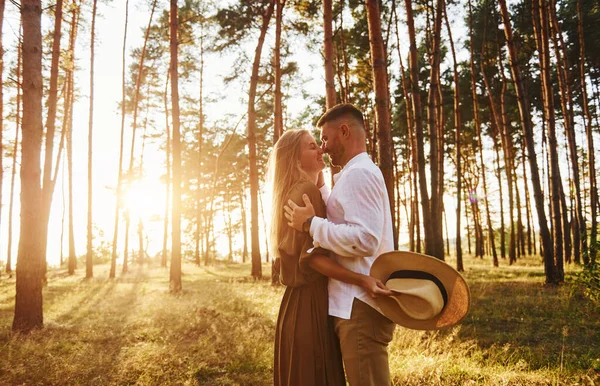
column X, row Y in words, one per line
column 220, row 329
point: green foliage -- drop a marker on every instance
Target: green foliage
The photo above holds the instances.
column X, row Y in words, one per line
column 589, row 281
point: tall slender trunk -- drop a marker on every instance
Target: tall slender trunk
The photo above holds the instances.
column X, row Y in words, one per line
column 382, row 103
column 278, row 119
column 549, row 118
column 175, row 271
column 458, row 144
column 435, row 246
column 255, row 244
column 163, row 260
column 509, row 154
column 475, row 99
column 28, row 300
column 566, row 99
column 501, row 188
column 411, row 144
column 330, row 98
column 89, row 257
column 68, row 127
column 530, row 242
column 199, row 176
column 135, row 103
column 419, row 135
column 2, row 2
column 587, row 116
column 18, row 86
column 113, row 260
column 244, row 228
column 48, row 181
column 528, row 135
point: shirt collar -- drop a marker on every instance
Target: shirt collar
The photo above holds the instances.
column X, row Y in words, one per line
column 360, row 157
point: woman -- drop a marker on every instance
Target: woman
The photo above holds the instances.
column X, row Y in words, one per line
column 306, row 347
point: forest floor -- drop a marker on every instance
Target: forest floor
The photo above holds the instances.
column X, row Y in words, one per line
column 220, row 330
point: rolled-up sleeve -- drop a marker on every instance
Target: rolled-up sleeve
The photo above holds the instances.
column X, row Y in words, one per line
column 363, row 218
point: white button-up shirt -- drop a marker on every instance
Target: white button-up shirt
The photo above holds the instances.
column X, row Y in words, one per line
column 358, row 228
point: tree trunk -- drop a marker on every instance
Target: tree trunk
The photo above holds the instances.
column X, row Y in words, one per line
column 528, row 136
column 458, row 140
column 278, row 119
column 199, row 192
column 530, row 244
column 175, row 272
column 244, row 229
column 113, row 260
column 89, row 257
column 382, row 103
column 68, row 127
column 475, row 99
column 435, row 246
column 419, row 135
column 48, row 181
column 18, row 85
column 566, row 99
column 163, row 260
column 255, row 244
column 28, row 299
column 2, row 2
column 549, row 118
column 587, row 117
column 509, row 154
column 330, row 98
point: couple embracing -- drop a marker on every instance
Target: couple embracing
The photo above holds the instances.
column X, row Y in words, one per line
column 337, row 312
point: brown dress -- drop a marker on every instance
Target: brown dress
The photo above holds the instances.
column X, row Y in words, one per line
column 307, row 351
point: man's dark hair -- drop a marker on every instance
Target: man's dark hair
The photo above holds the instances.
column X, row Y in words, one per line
column 341, row 110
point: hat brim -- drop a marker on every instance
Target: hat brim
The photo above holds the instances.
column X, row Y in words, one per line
column 459, row 296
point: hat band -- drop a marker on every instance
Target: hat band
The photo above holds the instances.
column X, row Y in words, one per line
column 410, row 274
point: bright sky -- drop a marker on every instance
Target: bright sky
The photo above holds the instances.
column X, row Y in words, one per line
column 150, row 193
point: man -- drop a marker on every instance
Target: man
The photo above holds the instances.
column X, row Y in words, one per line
column 358, row 228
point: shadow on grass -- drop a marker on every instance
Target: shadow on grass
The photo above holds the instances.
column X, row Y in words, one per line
column 546, row 326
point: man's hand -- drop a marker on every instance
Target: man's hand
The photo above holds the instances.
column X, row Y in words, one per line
column 297, row 215
column 375, row 287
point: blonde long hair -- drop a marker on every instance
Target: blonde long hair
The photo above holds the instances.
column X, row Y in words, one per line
column 284, row 173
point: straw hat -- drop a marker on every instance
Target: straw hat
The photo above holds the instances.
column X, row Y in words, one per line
column 430, row 294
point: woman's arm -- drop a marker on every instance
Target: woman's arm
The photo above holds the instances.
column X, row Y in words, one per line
column 332, row 269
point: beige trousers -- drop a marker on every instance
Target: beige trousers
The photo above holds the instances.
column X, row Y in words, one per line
column 364, row 339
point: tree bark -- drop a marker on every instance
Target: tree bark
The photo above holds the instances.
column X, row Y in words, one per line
column 255, row 243
column 68, row 128
column 28, row 299
column 523, row 103
column 175, row 271
column 477, row 120
column 382, row 103
column 163, row 260
column 113, row 260
column 199, row 176
column 419, row 135
column 458, row 144
column 549, row 118
column 587, row 258
column 89, row 257
column 330, row 98
column 278, row 119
